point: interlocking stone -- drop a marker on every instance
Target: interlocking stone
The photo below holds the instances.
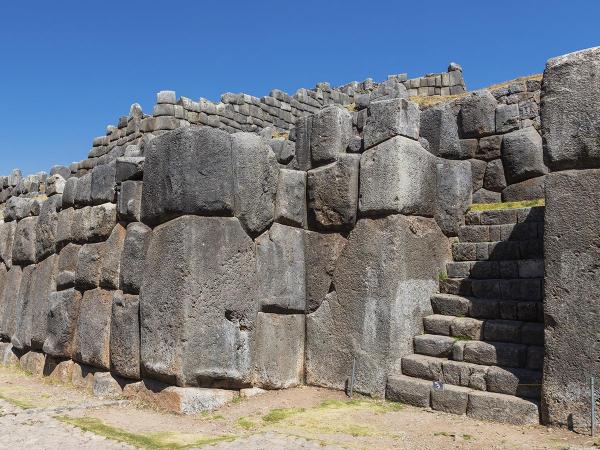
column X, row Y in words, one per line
column 92, row 339
column 62, row 321
column 453, row 194
column 522, row 155
column 390, row 118
column 129, row 201
column 439, row 127
column 125, row 335
column 477, row 115
column 134, row 251
column 290, row 202
column 24, row 242
column 331, row 129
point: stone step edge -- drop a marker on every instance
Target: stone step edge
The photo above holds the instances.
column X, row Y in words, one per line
column 504, row 216
column 477, row 376
column 481, row 250
column 459, row 400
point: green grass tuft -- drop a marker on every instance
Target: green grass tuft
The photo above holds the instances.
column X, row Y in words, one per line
column 16, row 402
column 507, row 205
column 148, row 441
column 246, row 423
column 279, row 414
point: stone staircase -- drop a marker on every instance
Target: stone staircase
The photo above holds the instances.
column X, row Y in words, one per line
column 484, row 340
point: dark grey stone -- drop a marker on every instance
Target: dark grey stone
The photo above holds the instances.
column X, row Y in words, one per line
column 439, row 127
column 522, row 155
column 489, row 148
column 494, row 179
column 129, row 168
column 67, row 266
column 290, row 201
column 24, row 243
column 8, row 302
column 47, row 227
column 92, row 341
column 70, row 192
column 507, row 118
column 390, row 118
column 330, row 134
column 531, row 189
column 43, row 285
column 135, row 247
column 62, row 321
column 453, row 194
column 125, row 335
column 129, row 201
column 477, row 115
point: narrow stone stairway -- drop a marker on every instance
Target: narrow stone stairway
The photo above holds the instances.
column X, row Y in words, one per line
column 484, row 340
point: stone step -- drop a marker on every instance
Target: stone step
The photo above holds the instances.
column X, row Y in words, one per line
column 505, row 216
column 517, row 289
column 478, row 308
column 498, row 250
column 486, row 353
column 494, row 233
column 461, row 400
column 519, row 268
column 503, row 380
column 498, row 330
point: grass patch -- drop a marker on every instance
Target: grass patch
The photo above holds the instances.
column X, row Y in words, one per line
column 442, row 275
column 535, row 76
column 430, row 100
column 246, row 423
column 507, row 205
column 16, row 402
column 149, row 441
column 279, row 414
column 462, row 338
column 351, row 107
column 378, row 406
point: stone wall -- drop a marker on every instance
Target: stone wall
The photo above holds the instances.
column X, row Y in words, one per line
column 228, row 253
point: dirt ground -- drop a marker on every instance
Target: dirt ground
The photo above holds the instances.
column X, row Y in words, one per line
column 36, row 414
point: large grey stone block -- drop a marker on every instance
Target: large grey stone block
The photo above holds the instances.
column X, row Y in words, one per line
column 382, row 285
column 571, row 308
column 110, row 262
column 439, row 127
column 330, row 134
column 125, row 335
column 135, row 247
column 92, row 341
column 279, row 350
column 477, row 115
column 21, row 337
column 129, row 201
column 453, row 194
column 280, row 268
column 83, row 191
column 494, row 179
column 569, row 110
column 129, row 168
column 389, row 118
column 47, row 227
column 24, row 242
column 198, row 302
column 7, row 236
column 255, row 171
column 64, row 232
column 502, row 408
column 531, row 189
column 8, row 301
column 17, row 208
column 103, row 184
column 89, row 266
column 70, row 192
column 397, row 176
column 188, row 171
column 67, row 266
column 321, row 252
column 522, row 155
column 333, row 193
column 290, row 201
column 43, row 285
column 62, row 321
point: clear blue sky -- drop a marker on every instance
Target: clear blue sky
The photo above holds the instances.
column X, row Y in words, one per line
column 69, row 68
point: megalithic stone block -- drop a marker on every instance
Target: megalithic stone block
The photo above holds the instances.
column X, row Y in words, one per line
column 70, row 192
column 7, row 236
column 89, row 266
column 188, row 171
column 397, row 176
column 110, row 262
column 24, row 242
column 92, row 342
column 125, row 335
column 569, row 110
column 64, row 227
column 83, row 191
column 439, row 126
column 21, row 337
column 67, row 266
column 281, row 269
column 330, row 134
column 42, row 286
column 62, row 321
column 333, row 193
column 8, row 302
column 477, row 115
column 129, row 201
column 453, row 194
column 390, row 118
column 198, row 303
column 255, row 171
column 47, row 227
column 135, row 247
column 382, row 282
column 279, row 360
column 522, row 155
column 290, row 202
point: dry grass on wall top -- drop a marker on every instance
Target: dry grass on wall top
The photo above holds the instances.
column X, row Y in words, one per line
column 507, row 205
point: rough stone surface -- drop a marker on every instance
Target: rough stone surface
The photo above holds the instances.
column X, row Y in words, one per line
column 92, row 341
column 531, row 189
column 569, row 110
column 321, row 252
column 24, row 242
column 522, row 155
column 105, row 385
column 125, row 335
column 502, row 408
column 477, row 115
column 280, row 268
column 67, row 266
column 62, row 320
column 89, row 266
column 21, row 338
column 397, row 176
column 494, row 179
column 571, row 309
column 135, row 247
column 43, row 285
column 255, row 172
column 330, row 134
column 333, row 193
column 198, row 302
column 439, row 127
column 410, row 391
column 7, row 236
column 383, row 280
column 8, row 301
column 188, row 171
column 290, row 202
column 279, row 344
column 129, row 203
column 453, row 194
column 33, row 362
column 103, row 184
column 110, row 261
column 47, row 227
column 390, row 118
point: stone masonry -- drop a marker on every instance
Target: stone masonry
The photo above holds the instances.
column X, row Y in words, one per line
column 278, row 241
